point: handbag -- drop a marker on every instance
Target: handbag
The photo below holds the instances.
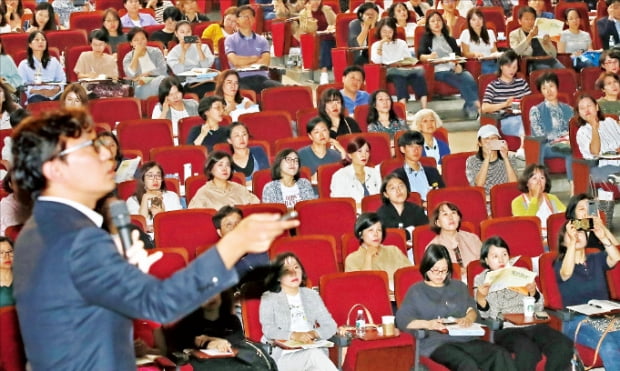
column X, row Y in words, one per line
column 351, row 327
column 576, row 360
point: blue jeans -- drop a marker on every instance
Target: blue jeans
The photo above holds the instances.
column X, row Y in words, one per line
column 547, row 152
column 413, row 77
column 551, row 63
column 488, row 67
column 589, row 336
column 463, row 81
column 512, row 125
column 325, row 53
column 601, row 173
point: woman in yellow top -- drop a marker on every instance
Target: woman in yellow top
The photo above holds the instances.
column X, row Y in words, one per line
column 216, row 31
column 536, row 199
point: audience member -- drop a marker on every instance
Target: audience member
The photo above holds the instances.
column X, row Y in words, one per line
column 172, row 105
column 319, row 152
column 287, row 187
column 7, row 106
column 430, row 302
column 367, row 17
column 159, row 6
column 609, row 84
column 219, row 190
column 8, row 70
column 455, row 23
column 235, row 104
column 317, row 16
column 574, row 40
column 96, row 63
column 421, row 178
column 610, row 60
column 40, row 67
column 210, row 109
column 352, row 79
column 171, row 15
column 144, row 64
column 74, row 96
column 490, row 166
column 419, row 7
column 427, row 121
column 539, row 7
column 477, row 41
column 577, row 208
column 44, row 18
column 246, row 159
column 111, row 24
column 606, row 26
column 14, row 212
column 189, row 8
column 408, row 21
column 110, row 141
column 216, row 31
column 331, row 110
column 6, row 272
column 135, row 18
column 14, row 10
column 381, row 115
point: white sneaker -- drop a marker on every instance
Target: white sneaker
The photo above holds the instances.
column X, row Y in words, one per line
column 324, row 79
column 520, row 154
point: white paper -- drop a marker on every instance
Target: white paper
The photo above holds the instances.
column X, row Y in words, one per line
column 595, row 306
column 551, row 27
column 127, row 169
column 474, row 330
column 509, row 277
column 215, row 352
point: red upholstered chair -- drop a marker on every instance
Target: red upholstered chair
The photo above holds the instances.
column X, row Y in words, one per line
column 37, row 108
column 250, row 304
column 553, row 300
column 64, row 39
column 115, row 110
column 144, row 134
column 324, row 178
column 290, row 98
column 173, row 158
column 494, row 15
column 372, row 203
column 302, row 117
column 224, row 65
column 12, row 355
column 554, row 224
column 14, row 42
column 317, row 253
column 295, row 143
column 521, row 233
column 105, row 4
column 185, row 228
column 501, row 198
column 471, row 201
column 192, row 184
column 172, row 260
column 453, row 169
column 266, row 207
column 86, row 21
column 340, row 291
column 588, row 76
column 313, row 221
column 379, row 145
column 268, row 125
column 185, row 126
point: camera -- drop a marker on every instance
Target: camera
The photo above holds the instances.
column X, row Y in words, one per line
column 583, row 224
column 192, row 39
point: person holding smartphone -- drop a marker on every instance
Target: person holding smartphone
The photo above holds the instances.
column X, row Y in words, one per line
column 583, row 206
column 491, row 165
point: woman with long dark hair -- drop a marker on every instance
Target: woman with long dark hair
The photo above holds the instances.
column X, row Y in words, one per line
column 331, row 110
column 477, row 41
column 227, row 86
column 44, row 18
column 40, row 67
column 381, row 115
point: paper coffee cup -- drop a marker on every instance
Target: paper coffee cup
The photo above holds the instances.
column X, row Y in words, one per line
column 528, row 307
column 388, row 325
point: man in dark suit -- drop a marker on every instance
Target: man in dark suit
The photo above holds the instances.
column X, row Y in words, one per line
column 421, row 178
column 75, row 294
column 609, row 26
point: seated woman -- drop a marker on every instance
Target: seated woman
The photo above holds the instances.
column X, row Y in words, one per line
column 577, row 208
column 158, row 6
column 144, row 64
column 190, row 11
column 6, row 272
column 596, row 136
column 96, row 63
column 393, row 52
column 246, row 160
column 286, row 186
column 428, row 304
column 400, row 13
column 575, row 41
column 437, row 43
column 381, row 115
column 319, row 152
column 419, row 8
column 535, row 199
column 74, row 96
column 396, row 211
column 491, row 165
column 455, row 22
column 609, row 83
column 355, row 179
column 171, row 15
column 151, row 196
column 216, row 31
column 13, row 11
column 220, row 190
column 8, row 70
column 479, row 42
column 427, row 121
column 367, row 17
column 464, row 247
column 528, row 343
column 40, row 67
column 372, row 254
column 235, row 104
column 331, row 109
column 502, row 92
column 581, row 277
column 319, row 17
column 44, row 18
column 111, row 24
column 172, row 105
column 291, row 311
column 210, row 109
column 186, row 56
column 7, row 106
column 549, row 121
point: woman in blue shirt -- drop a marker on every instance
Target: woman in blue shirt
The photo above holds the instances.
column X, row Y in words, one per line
column 40, row 67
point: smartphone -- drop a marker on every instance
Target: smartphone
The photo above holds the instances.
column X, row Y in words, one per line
column 541, row 315
column 192, row 39
column 290, row 215
column 592, row 209
column 26, row 25
column 497, row 144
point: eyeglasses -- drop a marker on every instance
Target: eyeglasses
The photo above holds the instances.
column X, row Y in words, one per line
column 7, row 253
column 611, row 61
column 291, row 160
column 152, row 176
column 96, row 144
column 439, row 272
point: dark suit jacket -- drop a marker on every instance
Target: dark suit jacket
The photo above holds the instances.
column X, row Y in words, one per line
column 432, row 175
column 605, row 28
column 76, row 295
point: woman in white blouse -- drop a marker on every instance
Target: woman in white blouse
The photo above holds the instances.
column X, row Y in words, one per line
column 39, row 67
column 597, row 136
column 356, row 180
column 477, row 41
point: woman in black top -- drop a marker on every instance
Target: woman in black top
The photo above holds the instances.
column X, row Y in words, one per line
column 332, row 112
column 396, row 211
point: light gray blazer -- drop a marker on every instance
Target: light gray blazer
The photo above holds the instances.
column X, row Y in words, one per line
column 275, row 316
column 156, row 56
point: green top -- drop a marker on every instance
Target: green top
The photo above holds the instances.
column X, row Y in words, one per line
column 609, row 107
column 6, row 296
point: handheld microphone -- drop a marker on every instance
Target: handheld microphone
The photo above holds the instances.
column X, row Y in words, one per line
column 120, row 218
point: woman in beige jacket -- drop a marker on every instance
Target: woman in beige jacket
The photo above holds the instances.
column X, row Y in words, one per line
column 316, row 17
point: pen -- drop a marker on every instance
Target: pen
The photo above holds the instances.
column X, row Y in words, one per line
column 595, row 305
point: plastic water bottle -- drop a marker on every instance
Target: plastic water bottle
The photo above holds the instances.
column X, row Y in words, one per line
column 360, row 323
column 612, row 42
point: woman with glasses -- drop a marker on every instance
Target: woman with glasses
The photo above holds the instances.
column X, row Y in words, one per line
column 331, row 110
column 286, row 186
column 528, row 343
column 151, row 196
column 427, row 306
column 111, row 25
column 6, row 272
